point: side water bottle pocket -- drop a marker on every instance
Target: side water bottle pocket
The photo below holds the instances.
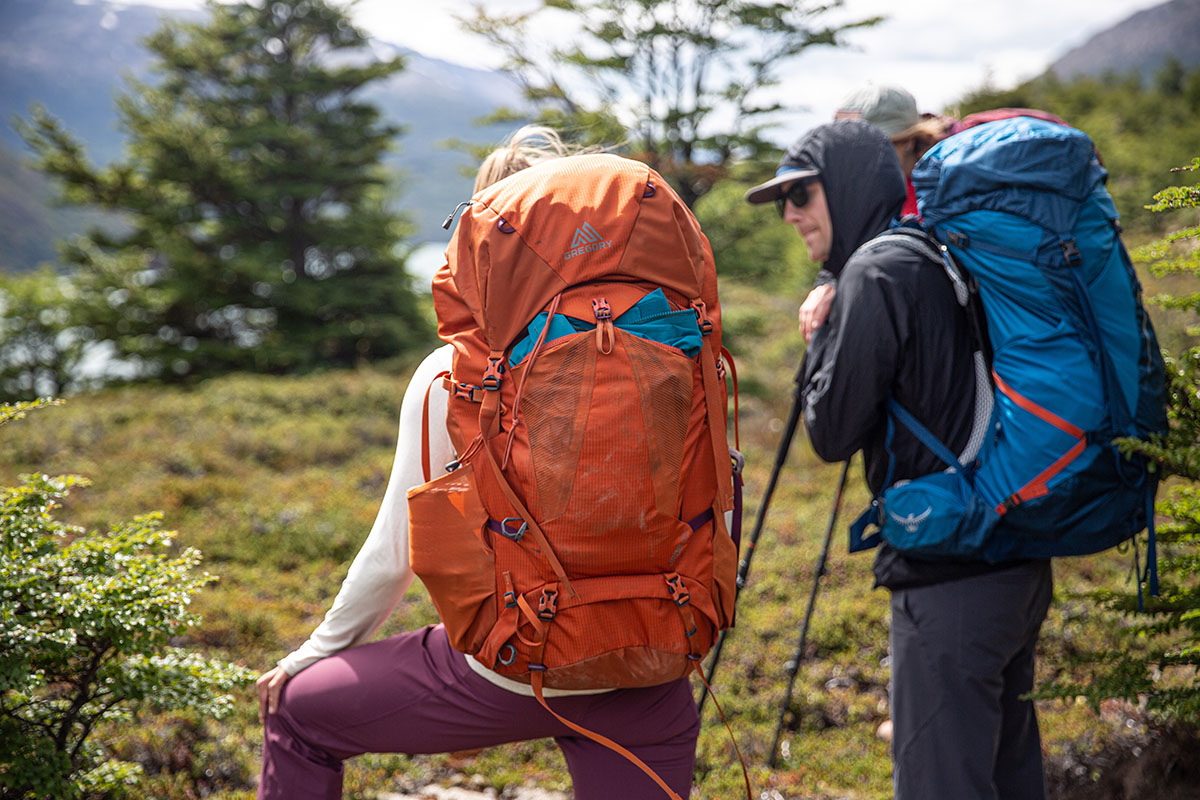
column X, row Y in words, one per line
column 448, row 553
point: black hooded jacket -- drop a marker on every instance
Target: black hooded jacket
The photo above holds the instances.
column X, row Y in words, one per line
column 895, row 330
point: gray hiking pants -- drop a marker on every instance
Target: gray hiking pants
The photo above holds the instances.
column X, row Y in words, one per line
column 962, row 655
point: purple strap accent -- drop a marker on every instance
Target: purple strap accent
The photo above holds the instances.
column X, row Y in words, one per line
column 702, row 519
column 736, row 532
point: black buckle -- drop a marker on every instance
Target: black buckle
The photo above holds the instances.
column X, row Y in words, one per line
column 1070, row 252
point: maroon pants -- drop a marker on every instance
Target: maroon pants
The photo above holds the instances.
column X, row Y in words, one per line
column 415, row 694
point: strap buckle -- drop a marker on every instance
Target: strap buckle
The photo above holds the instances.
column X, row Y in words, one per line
column 678, row 593
column 493, row 374
column 467, row 391
column 702, row 318
column 547, row 605
column 1070, row 252
column 601, row 308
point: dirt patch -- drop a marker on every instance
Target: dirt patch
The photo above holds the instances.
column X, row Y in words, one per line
column 1135, row 760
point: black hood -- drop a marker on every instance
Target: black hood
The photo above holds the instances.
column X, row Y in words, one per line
column 861, row 175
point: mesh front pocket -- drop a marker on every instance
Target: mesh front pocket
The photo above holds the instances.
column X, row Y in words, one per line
column 664, row 382
column 555, row 409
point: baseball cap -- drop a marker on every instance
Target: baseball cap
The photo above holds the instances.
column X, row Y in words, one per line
column 890, row 108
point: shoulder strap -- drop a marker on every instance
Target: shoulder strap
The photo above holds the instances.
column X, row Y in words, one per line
column 934, row 444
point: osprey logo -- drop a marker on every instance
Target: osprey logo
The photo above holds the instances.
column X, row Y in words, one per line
column 912, row 521
column 586, row 240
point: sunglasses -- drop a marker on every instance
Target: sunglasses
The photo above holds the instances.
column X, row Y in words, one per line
column 797, row 193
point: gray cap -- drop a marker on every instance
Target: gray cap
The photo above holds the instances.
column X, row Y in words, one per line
column 890, row 108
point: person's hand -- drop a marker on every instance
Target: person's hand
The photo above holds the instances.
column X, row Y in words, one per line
column 815, row 309
column 269, row 685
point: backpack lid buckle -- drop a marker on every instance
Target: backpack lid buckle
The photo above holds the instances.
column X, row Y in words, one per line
column 601, row 308
column 1070, row 252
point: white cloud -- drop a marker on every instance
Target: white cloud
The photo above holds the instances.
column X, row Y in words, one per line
column 938, row 49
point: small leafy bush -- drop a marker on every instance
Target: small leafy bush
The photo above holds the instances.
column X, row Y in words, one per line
column 87, row 622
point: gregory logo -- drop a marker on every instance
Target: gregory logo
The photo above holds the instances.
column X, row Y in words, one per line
column 586, row 240
column 912, row 521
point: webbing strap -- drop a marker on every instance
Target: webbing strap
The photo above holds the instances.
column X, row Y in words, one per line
column 921, row 432
column 727, row 357
column 536, row 680
column 425, row 468
column 716, row 425
column 1151, row 546
column 488, row 421
column 732, row 738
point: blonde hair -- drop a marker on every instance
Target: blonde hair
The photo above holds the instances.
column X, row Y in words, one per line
column 527, row 146
column 925, row 133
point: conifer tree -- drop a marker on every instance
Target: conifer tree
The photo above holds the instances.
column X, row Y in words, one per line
column 259, row 237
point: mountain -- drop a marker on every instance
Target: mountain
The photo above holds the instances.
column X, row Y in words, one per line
column 1139, row 43
column 73, row 56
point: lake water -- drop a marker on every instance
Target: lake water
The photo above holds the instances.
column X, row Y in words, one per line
column 425, row 260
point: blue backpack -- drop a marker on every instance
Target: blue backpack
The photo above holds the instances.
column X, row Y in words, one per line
column 1017, row 212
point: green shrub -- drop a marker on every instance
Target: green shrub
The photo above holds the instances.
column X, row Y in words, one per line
column 87, row 622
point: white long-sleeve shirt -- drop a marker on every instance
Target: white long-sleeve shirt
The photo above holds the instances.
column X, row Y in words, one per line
column 381, row 572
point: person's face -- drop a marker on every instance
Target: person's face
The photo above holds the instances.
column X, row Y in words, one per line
column 811, row 220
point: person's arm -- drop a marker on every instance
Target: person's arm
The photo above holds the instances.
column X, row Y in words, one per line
column 380, row 573
column 850, row 366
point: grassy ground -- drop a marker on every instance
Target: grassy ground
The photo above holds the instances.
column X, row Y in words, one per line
column 277, row 481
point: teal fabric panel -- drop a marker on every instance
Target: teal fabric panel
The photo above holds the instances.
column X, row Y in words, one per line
column 650, row 318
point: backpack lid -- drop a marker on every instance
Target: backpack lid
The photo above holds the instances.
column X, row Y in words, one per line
column 998, row 165
column 564, row 222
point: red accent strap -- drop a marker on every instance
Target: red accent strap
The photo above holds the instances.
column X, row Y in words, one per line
column 1038, row 486
column 1036, row 410
column 727, row 357
column 425, row 468
column 536, row 680
column 732, row 739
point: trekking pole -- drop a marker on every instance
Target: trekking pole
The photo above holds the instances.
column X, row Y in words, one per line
column 781, row 454
column 794, row 665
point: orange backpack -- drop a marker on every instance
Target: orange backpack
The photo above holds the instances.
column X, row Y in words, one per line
column 579, row 540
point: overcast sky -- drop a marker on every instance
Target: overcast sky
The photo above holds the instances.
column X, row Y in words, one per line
column 938, row 49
